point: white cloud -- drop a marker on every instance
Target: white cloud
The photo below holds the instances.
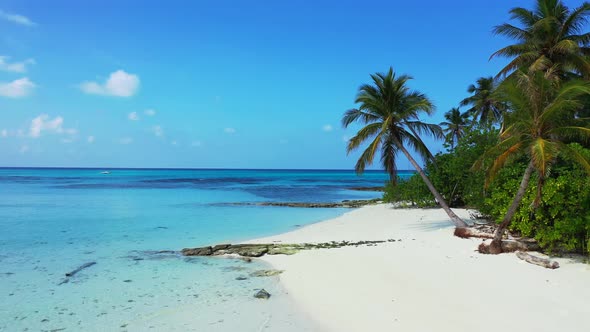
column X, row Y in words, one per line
column 133, row 116
column 90, row 139
column 67, row 140
column 43, row 123
column 327, row 128
column 18, row 19
column 119, row 84
column 174, row 143
column 345, row 139
column 196, row 143
column 158, row 131
column 150, row 112
column 229, row 130
column 126, row 140
column 17, row 88
column 4, row 133
column 24, row 149
column 16, row 67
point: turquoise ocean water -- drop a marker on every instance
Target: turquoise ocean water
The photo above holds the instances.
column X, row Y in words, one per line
column 54, row 220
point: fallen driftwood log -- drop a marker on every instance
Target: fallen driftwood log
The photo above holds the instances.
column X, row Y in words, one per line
column 467, row 232
column 511, row 246
column 544, row 262
column 258, row 250
column 486, row 231
column 80, row 268
column 72, row 273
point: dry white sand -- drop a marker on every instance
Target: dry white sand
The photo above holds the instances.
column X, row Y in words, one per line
column 428, row 281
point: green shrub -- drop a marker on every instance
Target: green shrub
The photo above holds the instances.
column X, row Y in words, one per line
column 450, row 174
column 411, row 191
column 561, row 222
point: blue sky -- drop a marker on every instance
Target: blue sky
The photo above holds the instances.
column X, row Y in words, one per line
column 228, row 84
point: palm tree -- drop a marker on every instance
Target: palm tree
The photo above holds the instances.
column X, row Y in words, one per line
column 551, row 34
column 483, row 102
column 389, row 111
column 537, row 129
column 454, row 126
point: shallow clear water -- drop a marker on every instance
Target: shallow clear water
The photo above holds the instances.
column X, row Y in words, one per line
column 54, row 220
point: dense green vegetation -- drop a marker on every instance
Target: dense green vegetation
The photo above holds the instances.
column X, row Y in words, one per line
column 561, row 222
column 451, row 174
column 520, row 152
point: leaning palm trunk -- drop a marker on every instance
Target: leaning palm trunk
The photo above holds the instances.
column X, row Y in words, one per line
column 496, row 245
column 454, row 218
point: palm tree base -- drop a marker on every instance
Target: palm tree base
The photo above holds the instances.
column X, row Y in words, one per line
column 504, row 246
column 495, row 247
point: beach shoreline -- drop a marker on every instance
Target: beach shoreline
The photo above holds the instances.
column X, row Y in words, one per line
column 425, row 280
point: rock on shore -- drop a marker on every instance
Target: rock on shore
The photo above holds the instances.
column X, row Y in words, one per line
column 258, row 250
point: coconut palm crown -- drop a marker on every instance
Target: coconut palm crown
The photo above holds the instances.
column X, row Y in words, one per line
column 389, row 111
column 550, row 35
column 485, row 107
column 541, row 119
column 454, row 126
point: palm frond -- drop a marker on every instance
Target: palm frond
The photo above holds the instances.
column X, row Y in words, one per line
column 422, row 128
column 576, row 156
column 502, row 160
column 388, row 158
column 364, row 134
column 354, row 115
column 525, row 16
column 572, row 132
column 575, row 21
column 496, row 150
column 510, row 31
column 367, row 156
column 543, row 153
column 415, row 143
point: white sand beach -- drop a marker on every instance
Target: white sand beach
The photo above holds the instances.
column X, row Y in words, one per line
column 427, row 280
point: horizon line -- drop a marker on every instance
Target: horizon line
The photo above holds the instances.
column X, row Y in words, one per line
column 189, row 168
